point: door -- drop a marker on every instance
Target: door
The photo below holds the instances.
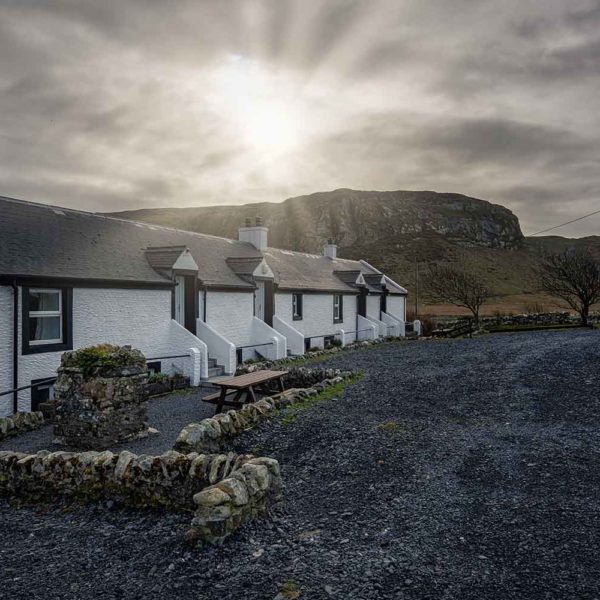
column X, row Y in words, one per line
column 180, row 299
column 362, row 302
column 259, row 300
column 383, row 306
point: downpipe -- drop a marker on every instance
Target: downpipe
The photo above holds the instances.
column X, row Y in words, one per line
column 15, row 348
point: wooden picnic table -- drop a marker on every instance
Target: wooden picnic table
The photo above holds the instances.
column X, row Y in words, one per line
column 247, row 385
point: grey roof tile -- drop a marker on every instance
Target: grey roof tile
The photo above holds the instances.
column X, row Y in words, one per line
column 42, row 240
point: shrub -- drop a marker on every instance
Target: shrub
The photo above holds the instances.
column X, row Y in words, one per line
column 104, row 357
column 158, row 378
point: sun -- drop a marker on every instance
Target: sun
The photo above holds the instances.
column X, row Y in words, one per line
column 262, row 108
column 271, row 128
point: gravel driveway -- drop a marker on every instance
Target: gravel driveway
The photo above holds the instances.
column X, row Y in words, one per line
column 464, row 469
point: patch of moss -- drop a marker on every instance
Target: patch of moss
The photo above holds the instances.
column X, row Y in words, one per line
column 102, row 356
column 390, row 427
column 290, row 589
column 329, row 393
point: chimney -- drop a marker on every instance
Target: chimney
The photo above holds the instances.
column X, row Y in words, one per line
column 254, row 234
column 330, row 249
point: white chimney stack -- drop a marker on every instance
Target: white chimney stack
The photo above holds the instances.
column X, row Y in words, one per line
column 330, row 249
column 254, row 234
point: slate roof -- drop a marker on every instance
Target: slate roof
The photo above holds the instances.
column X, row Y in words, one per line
column 42, row 240
column 311, row 272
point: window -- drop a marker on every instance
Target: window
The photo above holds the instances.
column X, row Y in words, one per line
column 338, row 308
column 154, row 367
column 41, row 392
column 297, row 307
column 46, row 320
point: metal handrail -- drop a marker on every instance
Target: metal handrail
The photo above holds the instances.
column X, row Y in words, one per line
column 357, row 331
column 53, row 379
column 26, row 387
column 167, row 357
column 254, row 346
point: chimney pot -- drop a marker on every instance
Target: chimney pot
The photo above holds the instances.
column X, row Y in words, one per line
column 254, row 234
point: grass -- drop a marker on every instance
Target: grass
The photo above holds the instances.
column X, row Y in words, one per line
column 291, row 412
column 398, row 430
column 390, row 427
column 290, row 589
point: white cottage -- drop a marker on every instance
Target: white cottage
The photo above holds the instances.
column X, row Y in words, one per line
column 191, row 302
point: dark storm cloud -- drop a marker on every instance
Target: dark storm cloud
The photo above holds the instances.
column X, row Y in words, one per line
column 119, row 104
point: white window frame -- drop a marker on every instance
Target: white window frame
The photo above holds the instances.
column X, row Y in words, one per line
column 338, row 316
column 32, row 314
column 297, row 308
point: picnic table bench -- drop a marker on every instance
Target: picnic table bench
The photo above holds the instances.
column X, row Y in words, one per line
column 247, row 385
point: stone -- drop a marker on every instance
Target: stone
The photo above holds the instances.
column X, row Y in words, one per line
column 236, row 489
column 20, row 422
column 212, row 496
column 98, row 409
column 256, row 476
column 123, row 464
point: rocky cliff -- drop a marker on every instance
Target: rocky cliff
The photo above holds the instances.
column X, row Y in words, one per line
column 355, row 219
column 399, row 232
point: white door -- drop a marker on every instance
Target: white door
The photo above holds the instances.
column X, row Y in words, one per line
column 259, row 300
column 180, row 300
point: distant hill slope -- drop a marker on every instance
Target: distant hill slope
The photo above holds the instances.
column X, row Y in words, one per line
column 389, row 229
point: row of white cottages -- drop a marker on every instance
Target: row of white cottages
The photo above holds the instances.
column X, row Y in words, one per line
column 192, row 303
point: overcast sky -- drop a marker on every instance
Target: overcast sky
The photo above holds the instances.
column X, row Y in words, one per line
column 108, row 105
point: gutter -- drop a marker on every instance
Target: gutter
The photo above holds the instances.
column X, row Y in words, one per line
column 15, row 288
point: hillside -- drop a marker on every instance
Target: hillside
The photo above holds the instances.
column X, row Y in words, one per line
column 392, row 230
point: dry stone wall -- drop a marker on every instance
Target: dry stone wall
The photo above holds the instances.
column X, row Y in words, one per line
column 226, row 506
column 19, row 423
column 170, row 480
column 98, row 411
column 223, row 490
column 209, row 435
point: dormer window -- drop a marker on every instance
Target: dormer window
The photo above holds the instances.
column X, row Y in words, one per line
column 297, row 307
column 47, row 319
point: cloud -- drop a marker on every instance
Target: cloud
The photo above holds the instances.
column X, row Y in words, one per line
column 108, row 105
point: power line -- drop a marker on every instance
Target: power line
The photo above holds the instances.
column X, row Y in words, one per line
column 567, row 223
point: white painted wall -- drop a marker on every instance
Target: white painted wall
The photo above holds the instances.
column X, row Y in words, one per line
column 219, row 347
column 396, row 306
column 317, row 311
column 230, row 314
column 373, row 306
column 141, row 318
column 6, row 333
column 295, row 340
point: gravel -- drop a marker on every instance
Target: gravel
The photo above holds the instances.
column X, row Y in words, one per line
column 168, row 414
column 462, row 469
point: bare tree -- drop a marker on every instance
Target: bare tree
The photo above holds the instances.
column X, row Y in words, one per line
column 574, row 277
column 456, row 286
